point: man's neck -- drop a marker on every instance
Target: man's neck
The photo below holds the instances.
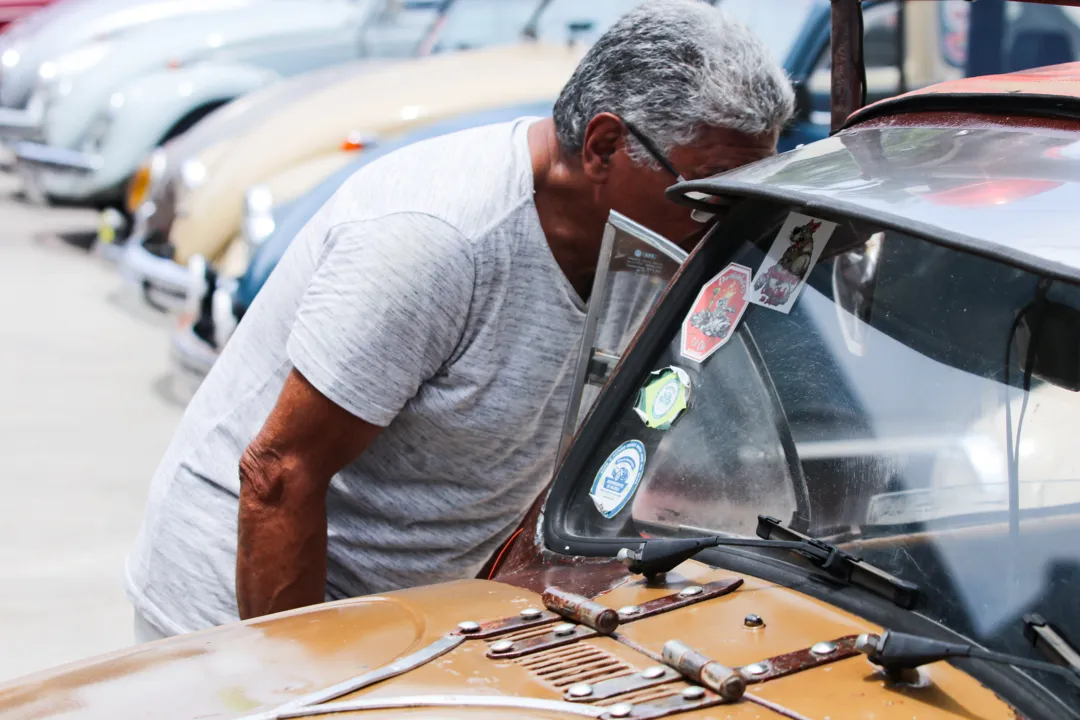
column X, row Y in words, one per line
column 572, row 223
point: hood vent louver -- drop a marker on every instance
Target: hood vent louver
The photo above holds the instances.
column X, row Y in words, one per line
column 568, row 665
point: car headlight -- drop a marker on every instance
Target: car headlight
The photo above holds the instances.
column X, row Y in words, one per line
column 10, row 58
column 95, row 136
column 146, row 177
column 258, row 215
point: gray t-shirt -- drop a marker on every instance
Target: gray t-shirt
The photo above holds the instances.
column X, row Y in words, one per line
column 423, row 297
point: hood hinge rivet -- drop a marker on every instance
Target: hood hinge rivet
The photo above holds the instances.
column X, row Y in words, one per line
column 693, row 693
column 691, row 591
column 502, row 646
column 753, row 621
column 564, row 629
column 651, row 673
column 757, row 669
column 629, row 610
column 621, row 710
column 530, row 613
column 580, row 690
column 823, row 648
column 468, row 626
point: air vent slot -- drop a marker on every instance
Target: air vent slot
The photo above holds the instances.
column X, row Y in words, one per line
column 577, row 663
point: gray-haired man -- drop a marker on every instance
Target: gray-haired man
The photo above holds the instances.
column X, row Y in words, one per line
column 391, row 404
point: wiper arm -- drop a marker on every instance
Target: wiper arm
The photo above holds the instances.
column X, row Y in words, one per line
column 655, row 557
column 900, row 651
column 1046, row 638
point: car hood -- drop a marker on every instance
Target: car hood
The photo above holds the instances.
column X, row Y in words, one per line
column 381, row 103
column 64, row 25
column 77, row 96
column 241, row 669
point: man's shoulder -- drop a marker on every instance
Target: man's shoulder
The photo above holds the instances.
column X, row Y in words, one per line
column 468, row 181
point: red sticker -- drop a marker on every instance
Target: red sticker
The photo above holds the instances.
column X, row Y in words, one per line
column 715, row 313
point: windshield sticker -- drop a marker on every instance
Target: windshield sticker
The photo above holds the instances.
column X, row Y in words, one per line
column 792, row 256
column 618, row 478
column 663, row 398
column 715, row 313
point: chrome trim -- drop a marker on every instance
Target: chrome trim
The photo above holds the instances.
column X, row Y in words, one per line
column 310, row 704
column 60, row 158
column 465, row 701
column 661, row 243
column 616, row 223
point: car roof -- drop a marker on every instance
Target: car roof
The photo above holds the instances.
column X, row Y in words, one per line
column 1051, row 92
column 953, row 163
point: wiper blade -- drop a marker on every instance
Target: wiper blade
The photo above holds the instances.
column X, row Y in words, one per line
column 655, row 557
column 1051, row 643
column 896, row 652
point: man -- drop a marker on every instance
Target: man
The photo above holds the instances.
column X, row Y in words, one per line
column 391, row 404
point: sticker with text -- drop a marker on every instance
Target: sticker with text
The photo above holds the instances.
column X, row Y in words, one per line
column 792, row 256
column 618, row 478
column 663, row 398
column 715, row 313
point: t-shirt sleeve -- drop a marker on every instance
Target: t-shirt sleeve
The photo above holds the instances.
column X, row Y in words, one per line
column 384, row 310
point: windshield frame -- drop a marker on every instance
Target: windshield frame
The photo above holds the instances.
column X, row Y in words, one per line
column 1023, row 691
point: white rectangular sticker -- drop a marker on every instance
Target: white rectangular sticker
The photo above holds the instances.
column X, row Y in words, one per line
column 792, row 256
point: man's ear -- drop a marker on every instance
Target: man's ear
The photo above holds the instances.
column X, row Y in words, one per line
column 603, row 138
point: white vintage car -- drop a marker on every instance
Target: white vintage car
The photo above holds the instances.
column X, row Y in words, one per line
column 108, row 102
column 30, row 47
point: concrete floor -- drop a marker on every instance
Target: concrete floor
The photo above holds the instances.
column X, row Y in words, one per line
column 85, row 414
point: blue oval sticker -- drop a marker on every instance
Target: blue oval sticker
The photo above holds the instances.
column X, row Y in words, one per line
column 618, row 478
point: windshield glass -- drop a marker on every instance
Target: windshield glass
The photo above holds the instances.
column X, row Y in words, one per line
column 874, row 406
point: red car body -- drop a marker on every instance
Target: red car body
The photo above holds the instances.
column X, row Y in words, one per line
column 12, row 10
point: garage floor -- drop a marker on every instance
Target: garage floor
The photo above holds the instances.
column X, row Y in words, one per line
column 85, row 414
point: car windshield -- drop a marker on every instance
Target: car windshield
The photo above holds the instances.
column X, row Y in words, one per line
column 876, row 406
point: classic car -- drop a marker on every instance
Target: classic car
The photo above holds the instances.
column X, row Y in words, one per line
column 216, row 303
column 206, row 214
column 30, row 47
column 15, row 10
column 104, row 112
column 753, row 520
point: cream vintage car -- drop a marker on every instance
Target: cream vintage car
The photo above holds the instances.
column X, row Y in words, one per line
column 289, row 152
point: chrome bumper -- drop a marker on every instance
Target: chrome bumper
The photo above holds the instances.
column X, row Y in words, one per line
column 42, row 155
column 190, row 355
column 161, row 283
column 20, row 124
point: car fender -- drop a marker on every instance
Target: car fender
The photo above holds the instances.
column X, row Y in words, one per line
column 154, row 108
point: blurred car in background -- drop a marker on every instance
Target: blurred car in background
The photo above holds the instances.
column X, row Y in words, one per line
column 13, row 10
column 109, row 102
column 30, row 48
column 507, row 52
column 217, row 303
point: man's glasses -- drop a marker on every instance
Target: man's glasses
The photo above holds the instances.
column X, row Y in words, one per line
column 700, row 216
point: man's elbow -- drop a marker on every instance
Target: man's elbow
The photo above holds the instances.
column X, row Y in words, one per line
column 262, row 476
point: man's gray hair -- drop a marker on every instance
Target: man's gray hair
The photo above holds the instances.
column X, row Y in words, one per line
column 670, row 68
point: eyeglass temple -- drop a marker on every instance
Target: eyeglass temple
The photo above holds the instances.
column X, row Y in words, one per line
column 652, row 150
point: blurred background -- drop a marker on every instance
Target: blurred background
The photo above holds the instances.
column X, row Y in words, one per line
column 158, row 156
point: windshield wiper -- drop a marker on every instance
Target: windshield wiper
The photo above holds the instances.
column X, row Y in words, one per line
column 1047, row 640
column 654, row 557
column 896, row 652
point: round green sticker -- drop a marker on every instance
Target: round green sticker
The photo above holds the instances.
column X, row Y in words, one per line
column 663, row 398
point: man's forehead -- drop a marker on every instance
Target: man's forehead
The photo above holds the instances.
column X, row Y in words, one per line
column 710, row 156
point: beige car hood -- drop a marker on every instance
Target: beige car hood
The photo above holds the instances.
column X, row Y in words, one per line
column 241, row 669
column 382, row 103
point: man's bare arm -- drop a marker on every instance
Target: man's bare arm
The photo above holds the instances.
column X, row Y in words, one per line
column 284, row 476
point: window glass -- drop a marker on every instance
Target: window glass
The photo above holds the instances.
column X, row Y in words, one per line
column 877, row 413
